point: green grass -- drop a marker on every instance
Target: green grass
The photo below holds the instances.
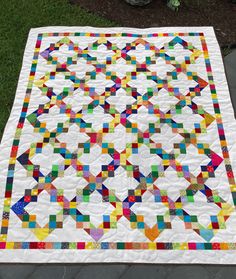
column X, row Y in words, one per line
column 17, row 17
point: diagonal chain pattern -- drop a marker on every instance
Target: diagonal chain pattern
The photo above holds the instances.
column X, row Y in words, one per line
column 105, row 121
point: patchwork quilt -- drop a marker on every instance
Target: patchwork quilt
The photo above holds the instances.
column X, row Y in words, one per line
column 120, row 147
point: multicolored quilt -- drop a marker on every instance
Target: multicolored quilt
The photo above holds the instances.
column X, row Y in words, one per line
column 120, row 147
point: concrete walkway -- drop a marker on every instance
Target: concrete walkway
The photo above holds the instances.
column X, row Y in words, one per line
column 116, row 271
column 129, row 271
column 230, row 68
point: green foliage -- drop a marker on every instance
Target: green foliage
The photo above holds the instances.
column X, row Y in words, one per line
column 173, row 4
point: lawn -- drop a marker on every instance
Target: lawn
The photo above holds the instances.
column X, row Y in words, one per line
column 17, row 17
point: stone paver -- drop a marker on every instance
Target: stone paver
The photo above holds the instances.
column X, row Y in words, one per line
column 214, row 269
column 49, row 272
column 13, row 271
column 226, row 273
column 100, row 271
column 58, row 271
column 230, row 68
column 193, row 272
column 140, row 271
